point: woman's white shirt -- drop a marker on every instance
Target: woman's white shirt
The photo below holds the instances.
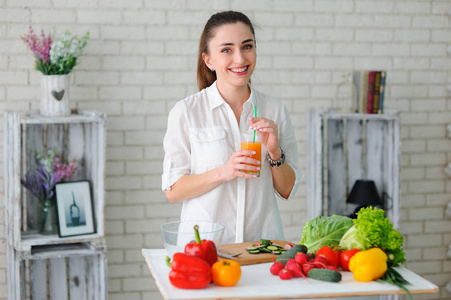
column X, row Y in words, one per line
column 202, row 134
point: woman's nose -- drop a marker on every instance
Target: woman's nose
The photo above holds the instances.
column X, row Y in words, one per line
column 239, row 57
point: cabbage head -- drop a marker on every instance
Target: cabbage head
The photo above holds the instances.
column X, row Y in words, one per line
column 324, row 231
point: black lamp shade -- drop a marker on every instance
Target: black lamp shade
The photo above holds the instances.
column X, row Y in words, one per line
column 364, row 193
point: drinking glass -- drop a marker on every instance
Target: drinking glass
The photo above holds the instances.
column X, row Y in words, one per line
column 250, row 140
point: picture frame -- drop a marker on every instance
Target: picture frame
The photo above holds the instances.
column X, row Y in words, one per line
column 74, row 209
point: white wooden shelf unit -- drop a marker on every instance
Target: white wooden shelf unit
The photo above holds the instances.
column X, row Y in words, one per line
column 47, row 266
column 345, row 147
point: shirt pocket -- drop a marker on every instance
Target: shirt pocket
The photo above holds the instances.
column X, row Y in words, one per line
column 208, row 147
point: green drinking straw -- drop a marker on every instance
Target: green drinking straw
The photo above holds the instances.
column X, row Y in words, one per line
column 255, row 113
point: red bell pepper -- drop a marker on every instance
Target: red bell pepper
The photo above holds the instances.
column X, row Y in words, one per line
column 203, row 249
column 189, row 272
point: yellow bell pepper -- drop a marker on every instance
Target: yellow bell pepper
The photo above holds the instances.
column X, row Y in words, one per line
column 368, row 265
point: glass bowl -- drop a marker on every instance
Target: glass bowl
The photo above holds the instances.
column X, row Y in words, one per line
column 177, row 234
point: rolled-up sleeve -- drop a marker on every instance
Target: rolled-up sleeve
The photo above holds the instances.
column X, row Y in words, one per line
column 288, row 144
column 177, row 149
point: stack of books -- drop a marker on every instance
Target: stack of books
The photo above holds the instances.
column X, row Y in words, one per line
column 370, row 91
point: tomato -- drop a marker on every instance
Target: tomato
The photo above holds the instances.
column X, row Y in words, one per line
column 330, row 255
column 345, row 257
column 226, row 272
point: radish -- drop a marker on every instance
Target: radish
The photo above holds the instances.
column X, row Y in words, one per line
column 329, row 267
column 306, row 268
column 320, row 262
column 285, row 274
column 295, row 269
column 276, row 268
column 287, row 246
column 300, row 258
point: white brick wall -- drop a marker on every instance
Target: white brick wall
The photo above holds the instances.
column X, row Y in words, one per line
column 141, row 59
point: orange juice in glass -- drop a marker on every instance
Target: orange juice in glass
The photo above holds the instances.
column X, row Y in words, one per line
column 250, row 140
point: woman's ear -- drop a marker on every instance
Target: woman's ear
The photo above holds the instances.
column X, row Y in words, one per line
column 207, row 60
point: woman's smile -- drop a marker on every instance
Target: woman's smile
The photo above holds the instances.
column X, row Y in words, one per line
column 240, row 70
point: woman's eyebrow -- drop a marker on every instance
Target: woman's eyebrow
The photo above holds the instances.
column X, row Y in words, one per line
column 231, row 44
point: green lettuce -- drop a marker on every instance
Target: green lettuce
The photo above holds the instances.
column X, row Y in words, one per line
column 373, row 229
column 324, row 231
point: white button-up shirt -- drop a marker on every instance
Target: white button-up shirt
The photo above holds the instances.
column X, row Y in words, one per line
column 202, row 134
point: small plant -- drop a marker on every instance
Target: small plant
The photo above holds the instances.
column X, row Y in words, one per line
column 50, row 171
column 55, row 57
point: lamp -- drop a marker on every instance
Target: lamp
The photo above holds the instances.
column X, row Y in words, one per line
column 364, row 193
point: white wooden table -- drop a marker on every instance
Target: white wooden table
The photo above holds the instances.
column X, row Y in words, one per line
column 257, row 283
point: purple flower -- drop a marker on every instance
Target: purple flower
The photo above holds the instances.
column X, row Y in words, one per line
column 41, row 183
column 64, row 170
column 40, row 47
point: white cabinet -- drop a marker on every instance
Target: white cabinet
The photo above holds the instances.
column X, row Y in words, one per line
column 47, row 266
column 345, row 147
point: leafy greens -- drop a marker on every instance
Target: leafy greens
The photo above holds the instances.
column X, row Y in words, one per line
column 324, row 231
column 373, row 229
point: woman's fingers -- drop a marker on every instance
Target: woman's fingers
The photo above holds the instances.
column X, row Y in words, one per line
column 263, row 125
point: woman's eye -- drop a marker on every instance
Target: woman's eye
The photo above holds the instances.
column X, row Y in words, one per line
column 248, row 47
column 225, row 50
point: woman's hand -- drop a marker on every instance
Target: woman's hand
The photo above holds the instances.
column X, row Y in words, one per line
column 238, row 162
column 269, row 134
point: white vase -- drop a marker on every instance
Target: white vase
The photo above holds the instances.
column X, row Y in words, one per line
column 55, row 95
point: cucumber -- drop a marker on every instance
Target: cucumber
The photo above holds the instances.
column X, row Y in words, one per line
column 289, row 254
column 266, row 242
column 325, row 275
column 251, row 248
column 266, row 246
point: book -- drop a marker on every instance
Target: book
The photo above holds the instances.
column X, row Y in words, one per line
column 360, row 80
column 382, row 93
column 370, row 92
column 356, row 80
column 370, row 88
column 364, row 91
column 375, row 91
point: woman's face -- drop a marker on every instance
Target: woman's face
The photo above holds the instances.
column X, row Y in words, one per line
column 232, row 54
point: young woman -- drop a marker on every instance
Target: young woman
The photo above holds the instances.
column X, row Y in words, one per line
column 203, row 164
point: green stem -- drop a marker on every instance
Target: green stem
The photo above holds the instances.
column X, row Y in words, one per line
column 196, row 234
column 168, row 261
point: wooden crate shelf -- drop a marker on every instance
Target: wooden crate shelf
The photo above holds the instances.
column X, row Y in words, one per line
column 345, row 147
column 50, row 267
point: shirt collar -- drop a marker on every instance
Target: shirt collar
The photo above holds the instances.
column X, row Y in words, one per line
column 215, row 99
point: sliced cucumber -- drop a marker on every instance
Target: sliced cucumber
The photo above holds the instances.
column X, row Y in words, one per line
column 265, row 246
column 251, row 248
column 272, row 248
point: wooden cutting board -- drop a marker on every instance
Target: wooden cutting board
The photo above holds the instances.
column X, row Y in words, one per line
column 250, row 259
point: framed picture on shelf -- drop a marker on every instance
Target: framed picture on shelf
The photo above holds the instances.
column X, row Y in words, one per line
column 74, row 208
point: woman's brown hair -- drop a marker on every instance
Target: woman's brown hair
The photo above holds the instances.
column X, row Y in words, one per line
column 205, row 77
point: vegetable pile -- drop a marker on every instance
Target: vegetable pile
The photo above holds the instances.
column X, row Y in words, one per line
column 199, row 265
column 370, row 246
column 296, row 262
column 372, row 229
